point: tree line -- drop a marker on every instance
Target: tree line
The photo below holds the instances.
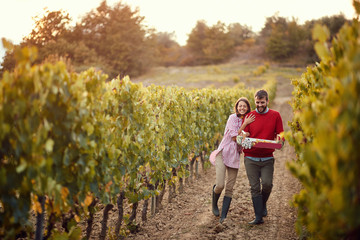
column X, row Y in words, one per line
column 115, row 40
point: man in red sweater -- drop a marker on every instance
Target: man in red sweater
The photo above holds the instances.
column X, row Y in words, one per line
column 259, row 162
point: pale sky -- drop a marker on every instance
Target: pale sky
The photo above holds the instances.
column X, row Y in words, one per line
column 178, row 16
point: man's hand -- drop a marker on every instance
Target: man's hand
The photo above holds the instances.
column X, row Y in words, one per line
column 280, row 139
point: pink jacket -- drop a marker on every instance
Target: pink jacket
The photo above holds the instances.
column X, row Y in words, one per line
column 230, row 149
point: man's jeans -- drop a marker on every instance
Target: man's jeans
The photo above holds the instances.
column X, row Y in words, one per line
column 256, row 170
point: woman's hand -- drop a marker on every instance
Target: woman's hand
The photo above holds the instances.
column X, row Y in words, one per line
column 249, row 119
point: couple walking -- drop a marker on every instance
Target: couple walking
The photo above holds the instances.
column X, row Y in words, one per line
column 263, row 123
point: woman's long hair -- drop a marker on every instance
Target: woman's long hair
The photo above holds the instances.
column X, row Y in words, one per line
column 246, row 101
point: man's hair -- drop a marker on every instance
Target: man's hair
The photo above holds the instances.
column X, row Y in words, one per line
column 262, row 94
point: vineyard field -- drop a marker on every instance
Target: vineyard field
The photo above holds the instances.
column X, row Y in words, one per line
column 189, row 215
column 123, row 138
column 85, row 156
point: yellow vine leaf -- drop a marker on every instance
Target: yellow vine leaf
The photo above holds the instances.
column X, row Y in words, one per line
column 64, row 193
column 107, row 186
column 88, row 200
column 36, row 206
column 320, row 33
column 57, row 209
column 49, row 145
column 77, row 218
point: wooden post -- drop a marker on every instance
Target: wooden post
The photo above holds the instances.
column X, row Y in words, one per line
column 153, row 205
column 40, row 219
column 196, row 169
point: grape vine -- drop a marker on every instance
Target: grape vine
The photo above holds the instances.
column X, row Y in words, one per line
column 70, row 141
column 325, row 132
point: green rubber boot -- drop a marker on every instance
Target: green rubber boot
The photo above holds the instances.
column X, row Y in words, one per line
column 258, row 208
column 225, row 208
column 265, row 197
column 215, row 199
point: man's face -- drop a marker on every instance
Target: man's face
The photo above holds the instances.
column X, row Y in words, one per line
column 261, row 104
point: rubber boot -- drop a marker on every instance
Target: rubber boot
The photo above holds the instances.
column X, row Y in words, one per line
column 265, row 197
column 225, row 208
column 258, row 208
column 215, row 199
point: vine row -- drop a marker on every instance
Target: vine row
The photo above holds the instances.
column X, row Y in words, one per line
column 73, row 141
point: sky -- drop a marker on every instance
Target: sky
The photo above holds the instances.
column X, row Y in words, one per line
column 172, row 16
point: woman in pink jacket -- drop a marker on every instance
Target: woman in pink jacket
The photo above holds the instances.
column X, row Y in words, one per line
column 227, row 157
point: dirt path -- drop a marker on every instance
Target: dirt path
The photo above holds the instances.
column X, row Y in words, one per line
column 189, row 215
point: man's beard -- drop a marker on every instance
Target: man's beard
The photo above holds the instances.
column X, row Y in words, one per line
column 263, row 109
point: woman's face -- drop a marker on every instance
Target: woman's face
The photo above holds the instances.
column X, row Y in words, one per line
column 242, row 107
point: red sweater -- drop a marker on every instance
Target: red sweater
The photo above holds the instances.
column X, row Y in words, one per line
column 265, row 126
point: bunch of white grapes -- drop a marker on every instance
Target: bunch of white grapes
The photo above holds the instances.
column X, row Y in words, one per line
column 246, row 143
column 239, row 139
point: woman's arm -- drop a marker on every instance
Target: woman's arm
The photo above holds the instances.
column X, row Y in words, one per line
column 247, row 120
column 232, row 126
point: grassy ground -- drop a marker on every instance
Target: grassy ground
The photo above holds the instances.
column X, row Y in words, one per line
column 223, row 75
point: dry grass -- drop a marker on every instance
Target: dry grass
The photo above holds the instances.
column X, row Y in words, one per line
column 222, row 75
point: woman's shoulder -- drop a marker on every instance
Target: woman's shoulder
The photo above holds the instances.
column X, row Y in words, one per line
column 233, row 116
column 233, row 119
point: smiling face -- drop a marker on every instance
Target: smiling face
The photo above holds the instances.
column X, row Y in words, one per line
column 242, row 108
column 261, row 104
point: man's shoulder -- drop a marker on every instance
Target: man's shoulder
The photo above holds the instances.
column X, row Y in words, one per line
column 253, row 111
column 272, row 111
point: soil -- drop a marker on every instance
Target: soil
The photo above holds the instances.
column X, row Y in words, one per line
column 189, row 215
